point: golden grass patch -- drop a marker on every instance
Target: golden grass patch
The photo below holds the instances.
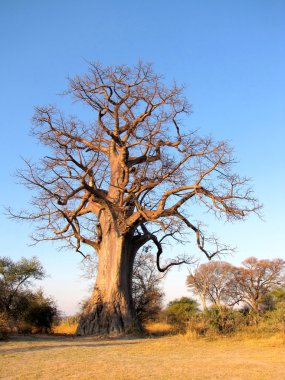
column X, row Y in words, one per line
column 65, row 328
column 159, row 328
column 160, row 358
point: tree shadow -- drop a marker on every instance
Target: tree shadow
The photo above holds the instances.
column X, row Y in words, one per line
column 63, row 341
column 63, row 345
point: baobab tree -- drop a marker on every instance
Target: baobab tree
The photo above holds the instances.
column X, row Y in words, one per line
column 125, row 179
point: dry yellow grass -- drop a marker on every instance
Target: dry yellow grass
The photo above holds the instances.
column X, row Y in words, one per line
column 65, row 328
column 159, row 328
column 163, row 358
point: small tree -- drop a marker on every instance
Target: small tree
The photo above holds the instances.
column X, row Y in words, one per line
column 276, row 313
column 24, row 307
column 256, row 278
column 15, row 278
column 147, row 293
column 278, row 295
column 124, row 180
column 41, row 312
column 214, row 282
column 224, row 320
column 181, row 310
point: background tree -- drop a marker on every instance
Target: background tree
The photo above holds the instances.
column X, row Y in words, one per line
column 181, row 310
column 146, row 286
column 20, row 305
column 198, row 282
column 214, row 282
column 126, row 179
column 15, row 279
column 223, row 320
column 258, row 277
column 41, row 312
column 274, row 303
column 278, row 296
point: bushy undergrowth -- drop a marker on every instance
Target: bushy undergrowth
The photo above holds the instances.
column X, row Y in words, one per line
column 224, row 320
column 4, row 327
column 227, row 321
column 22, row 308
column 30, row 313
column 209, row 325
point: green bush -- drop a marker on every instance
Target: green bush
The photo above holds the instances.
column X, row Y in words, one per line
column 32, row 312
column 224, row 320
column 41, row 313
column 180, row 311
column 276, row 318
column 23, row 309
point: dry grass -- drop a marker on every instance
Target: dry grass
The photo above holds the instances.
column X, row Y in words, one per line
column 167, row 357
column 155, row 328
column 159, row 328
column 65, row 328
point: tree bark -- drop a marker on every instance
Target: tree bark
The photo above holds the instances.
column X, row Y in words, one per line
column 110, row 310
column 203, row 301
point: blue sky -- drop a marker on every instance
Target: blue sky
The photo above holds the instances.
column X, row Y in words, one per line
column 229, row 54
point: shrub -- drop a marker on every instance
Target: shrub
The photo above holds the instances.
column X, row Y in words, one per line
column 32, row 312
column 4, row 327
column 276, row 318
column 41, row 313
column 224, row 320
column 180, row 311
column 197, row 326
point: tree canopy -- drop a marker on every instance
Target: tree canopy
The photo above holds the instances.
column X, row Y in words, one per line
column 16, row 277
column 223, row 284
column 137, row 158
column 127, row 178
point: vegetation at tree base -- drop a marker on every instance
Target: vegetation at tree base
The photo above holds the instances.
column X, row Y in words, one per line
column 126, row 179
column 146, row 287
column 20, row 307
column 257, row 286
column 32, row 311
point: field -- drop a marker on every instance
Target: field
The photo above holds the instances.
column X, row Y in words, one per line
column 166, row 357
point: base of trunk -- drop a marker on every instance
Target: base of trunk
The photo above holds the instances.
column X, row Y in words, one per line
column 111, row 318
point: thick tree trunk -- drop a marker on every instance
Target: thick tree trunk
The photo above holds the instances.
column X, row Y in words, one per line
column 110, row 309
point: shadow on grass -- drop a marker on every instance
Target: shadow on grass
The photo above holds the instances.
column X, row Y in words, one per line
column 55, row 346
column 62, row 341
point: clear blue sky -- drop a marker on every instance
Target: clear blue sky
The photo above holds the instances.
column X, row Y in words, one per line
column 230, row 55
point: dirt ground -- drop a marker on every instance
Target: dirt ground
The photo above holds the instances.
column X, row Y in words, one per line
column 171, row 357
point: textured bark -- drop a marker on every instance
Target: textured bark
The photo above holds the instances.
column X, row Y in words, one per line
column 110, row 309
column 203, row 301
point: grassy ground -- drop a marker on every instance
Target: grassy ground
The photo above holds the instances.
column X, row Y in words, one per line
column 166, row 357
